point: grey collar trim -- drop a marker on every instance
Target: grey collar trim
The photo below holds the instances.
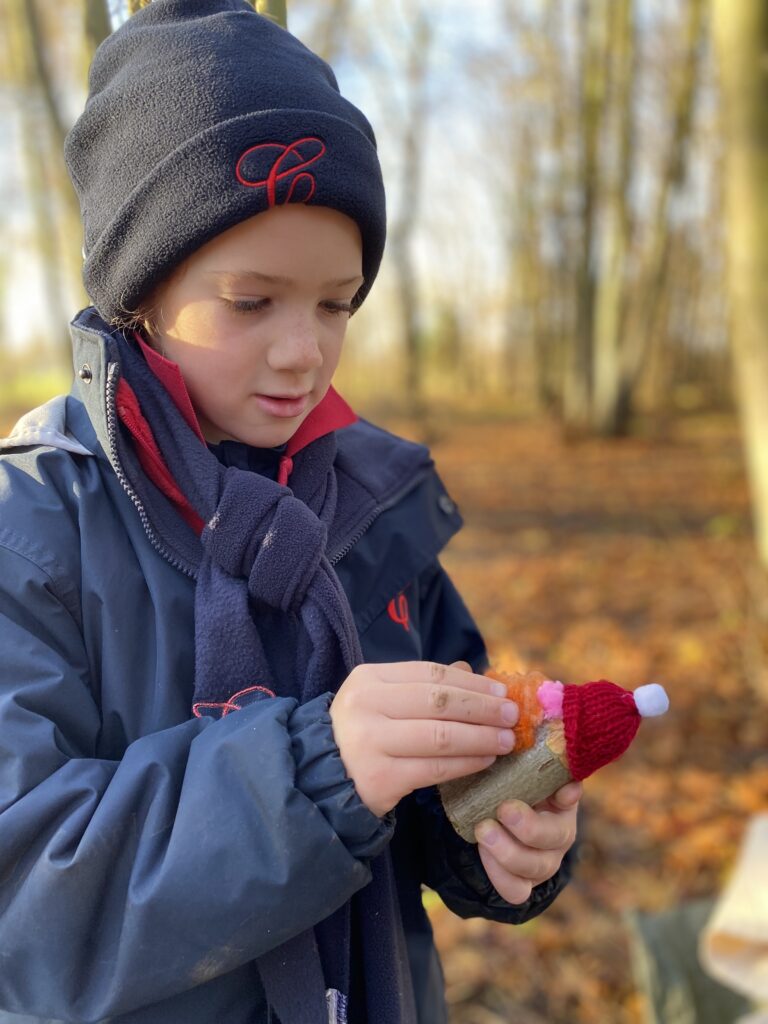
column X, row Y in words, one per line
column 45, row 425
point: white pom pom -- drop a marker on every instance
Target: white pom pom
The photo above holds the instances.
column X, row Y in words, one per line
column 651, row 700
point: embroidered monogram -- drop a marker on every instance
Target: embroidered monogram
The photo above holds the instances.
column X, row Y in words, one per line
column 397, row 609
column 219, row 709
column 270, row 163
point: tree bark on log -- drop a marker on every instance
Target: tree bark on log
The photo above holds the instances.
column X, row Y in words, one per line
column 530, row 776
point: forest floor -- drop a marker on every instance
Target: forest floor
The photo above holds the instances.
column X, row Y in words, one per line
column 631, row 561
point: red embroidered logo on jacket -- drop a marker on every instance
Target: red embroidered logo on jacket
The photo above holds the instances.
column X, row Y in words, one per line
column 269, row 163
column 397, row 609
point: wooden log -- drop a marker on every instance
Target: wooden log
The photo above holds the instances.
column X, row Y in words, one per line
column 530, row 776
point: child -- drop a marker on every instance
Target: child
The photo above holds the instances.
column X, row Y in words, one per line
column 199, row 547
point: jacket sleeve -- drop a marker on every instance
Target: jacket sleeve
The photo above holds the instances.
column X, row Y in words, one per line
column 123, row 882
column 450, row 865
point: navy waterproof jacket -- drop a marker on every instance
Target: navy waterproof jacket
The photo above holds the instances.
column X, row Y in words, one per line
column 148, row 857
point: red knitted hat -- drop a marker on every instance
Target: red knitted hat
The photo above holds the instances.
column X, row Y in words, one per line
column 601, row 719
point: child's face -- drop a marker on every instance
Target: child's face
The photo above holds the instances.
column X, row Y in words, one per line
column 256, row 319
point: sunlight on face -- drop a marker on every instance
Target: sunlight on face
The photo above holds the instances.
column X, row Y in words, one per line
column 256, row 320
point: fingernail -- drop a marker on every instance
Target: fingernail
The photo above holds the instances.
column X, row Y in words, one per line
column 506, row 739
column 498, row 689
column 510, row 712
column 487, row 835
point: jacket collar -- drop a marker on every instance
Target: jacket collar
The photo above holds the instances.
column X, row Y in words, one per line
column 45, row 425
column 94, row 350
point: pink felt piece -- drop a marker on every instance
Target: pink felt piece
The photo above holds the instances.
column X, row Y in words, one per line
column 550, row 696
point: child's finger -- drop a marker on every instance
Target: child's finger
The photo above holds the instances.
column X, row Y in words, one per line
column 418, row 772
column 425, row 738
column 435, row 674
column 566, row 797
column 541, row 830
column 533, row 865
column 513, row 889
column 563, row 799
column 446, row 703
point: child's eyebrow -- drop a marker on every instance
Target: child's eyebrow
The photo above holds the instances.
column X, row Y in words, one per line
column 245, row 275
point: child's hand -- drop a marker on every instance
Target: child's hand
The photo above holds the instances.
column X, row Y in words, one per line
column 404, row 725
column 526, row 844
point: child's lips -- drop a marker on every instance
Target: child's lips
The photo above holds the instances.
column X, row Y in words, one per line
column 283, row 407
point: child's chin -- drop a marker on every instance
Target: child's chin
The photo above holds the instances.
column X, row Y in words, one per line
column 259, row 434
column 272, row 435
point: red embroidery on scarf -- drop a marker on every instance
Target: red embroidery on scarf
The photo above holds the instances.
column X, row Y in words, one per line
column 287, row 162
column 231, row 703
column 398, row 611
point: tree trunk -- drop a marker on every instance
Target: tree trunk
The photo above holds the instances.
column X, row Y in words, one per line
column 97, row 23
column 561, row 278
column 48, row 187
column 610, row 296
column 410, row 196
column 40, row 80
column 524, row 271
column 644, row 328
column 741, row 35
column 577, row 388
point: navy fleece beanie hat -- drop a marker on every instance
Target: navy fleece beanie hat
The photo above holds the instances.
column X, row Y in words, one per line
column 202, row 113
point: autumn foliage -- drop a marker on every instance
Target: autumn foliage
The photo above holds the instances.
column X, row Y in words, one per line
column 631, row 561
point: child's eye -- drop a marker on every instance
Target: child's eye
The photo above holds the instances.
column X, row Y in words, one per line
column 337, row 307
column 246, row 305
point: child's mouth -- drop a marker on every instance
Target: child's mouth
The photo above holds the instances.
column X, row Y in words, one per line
column 283, row 407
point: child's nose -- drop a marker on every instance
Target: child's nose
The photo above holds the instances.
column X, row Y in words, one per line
column 296, row 348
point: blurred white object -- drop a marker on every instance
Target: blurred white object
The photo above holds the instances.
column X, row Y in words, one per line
column 734, row 942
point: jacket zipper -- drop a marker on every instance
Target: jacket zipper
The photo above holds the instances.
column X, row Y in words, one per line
column 366, row 525
column 374, row 515
column 113, row 374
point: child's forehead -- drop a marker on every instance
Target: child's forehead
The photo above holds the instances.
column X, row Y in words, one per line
column 282, row 246
column 250, row 275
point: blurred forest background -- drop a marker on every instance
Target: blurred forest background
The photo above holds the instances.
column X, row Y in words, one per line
column 573, row 311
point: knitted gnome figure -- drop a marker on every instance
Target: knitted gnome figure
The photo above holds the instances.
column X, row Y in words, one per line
column 564, row 733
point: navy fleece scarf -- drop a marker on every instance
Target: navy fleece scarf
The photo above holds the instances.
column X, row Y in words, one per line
column 262, row 561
